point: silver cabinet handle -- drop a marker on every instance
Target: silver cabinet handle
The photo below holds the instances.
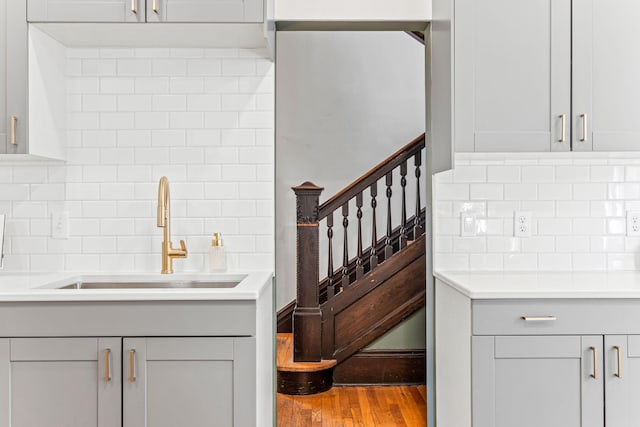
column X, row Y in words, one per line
column 594, row 375
column 132, row 362
column 155, row 7
column 563, row 118
column 107, row 365
column 134, row 6
column 539, row 318
column 619, row 354
column 12, row 137
column 584, row 127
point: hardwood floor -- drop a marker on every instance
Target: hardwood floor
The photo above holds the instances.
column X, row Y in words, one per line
column 375, row 406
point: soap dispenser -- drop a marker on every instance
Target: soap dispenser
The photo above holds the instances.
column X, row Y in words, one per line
column 217, row 254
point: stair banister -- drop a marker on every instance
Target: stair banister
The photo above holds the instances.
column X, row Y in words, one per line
column 307, row 317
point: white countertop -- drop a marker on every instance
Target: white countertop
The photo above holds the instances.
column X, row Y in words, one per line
column 518, row 285
column 43, row 287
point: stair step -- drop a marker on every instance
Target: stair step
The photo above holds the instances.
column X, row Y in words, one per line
column 285, row 361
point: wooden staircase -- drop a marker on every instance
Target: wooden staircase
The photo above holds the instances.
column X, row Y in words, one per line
column 370, row 293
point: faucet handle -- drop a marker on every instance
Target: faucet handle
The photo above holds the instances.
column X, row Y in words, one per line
column 183, row 246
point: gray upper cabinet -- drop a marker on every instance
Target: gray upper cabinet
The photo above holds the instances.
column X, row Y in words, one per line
column 13, row 77
column 71, row 382
column 512, row 75
column 204, row 10
column 189, row 381
column 532, row 381
column 544, row 75
column 86, row 11
column 606, row 67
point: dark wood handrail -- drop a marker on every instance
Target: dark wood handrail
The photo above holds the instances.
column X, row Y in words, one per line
column 365, row 181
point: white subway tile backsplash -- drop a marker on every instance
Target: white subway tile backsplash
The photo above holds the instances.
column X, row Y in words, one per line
column 578, row 209
column 501, row 174
column 202, row 117
column 486, row 191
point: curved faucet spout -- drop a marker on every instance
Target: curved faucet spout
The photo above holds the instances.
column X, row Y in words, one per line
column 164, row 221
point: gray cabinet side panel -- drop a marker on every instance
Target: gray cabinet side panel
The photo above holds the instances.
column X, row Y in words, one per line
column 5, row 386
column 4, row 118
column 439, row 86
column 17, row 72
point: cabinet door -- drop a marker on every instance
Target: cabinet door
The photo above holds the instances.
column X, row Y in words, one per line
column 13, row 76
column 195, row 382
column 86, row 11
column 533, row 381
column 204, row 10
column 71, row 382
column 512, row 75
column 606, row 66
column 622, row 380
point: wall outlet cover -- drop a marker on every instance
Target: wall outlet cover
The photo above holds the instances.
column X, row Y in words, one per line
column 633, row 223
column 522, row 224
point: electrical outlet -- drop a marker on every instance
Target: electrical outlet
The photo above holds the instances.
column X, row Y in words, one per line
column 633, row 223
column 467, row 224
column 522, row 224
column 60, row 225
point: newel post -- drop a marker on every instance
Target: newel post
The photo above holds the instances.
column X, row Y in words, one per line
column 307, row 317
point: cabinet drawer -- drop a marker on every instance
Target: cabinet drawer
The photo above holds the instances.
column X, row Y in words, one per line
column 556, row 317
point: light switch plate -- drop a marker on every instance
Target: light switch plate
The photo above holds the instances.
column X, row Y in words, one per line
column 467, row 225
column 60, row 225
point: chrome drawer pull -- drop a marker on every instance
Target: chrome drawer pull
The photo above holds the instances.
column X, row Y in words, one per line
column 594, row 375
column 539, row 318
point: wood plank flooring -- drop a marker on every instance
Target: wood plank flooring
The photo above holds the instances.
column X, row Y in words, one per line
column 375, row 406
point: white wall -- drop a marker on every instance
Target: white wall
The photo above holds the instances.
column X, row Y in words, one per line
column 360, row 10
column 345, row 101
column 202, row 117
column 578, row 202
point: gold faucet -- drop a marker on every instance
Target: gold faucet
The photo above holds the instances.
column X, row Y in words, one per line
column 164, row 221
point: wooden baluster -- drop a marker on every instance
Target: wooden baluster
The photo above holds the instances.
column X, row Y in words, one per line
column 345, row 246
column 373, row 257
column 403, row 218
column 359, row 266
column 417, row 226
column 388, row 247
column 331, row 290
column 307, row 316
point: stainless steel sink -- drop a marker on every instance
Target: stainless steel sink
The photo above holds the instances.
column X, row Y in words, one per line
column 187, row 284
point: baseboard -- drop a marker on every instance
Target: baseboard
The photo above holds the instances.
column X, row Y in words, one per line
column 285, row 318
column 382, row 367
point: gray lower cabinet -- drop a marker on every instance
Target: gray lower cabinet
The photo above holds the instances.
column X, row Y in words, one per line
column 130, row 382
column 532, row 381
column 194, row 382
column 13, row 77
column 71, row 382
